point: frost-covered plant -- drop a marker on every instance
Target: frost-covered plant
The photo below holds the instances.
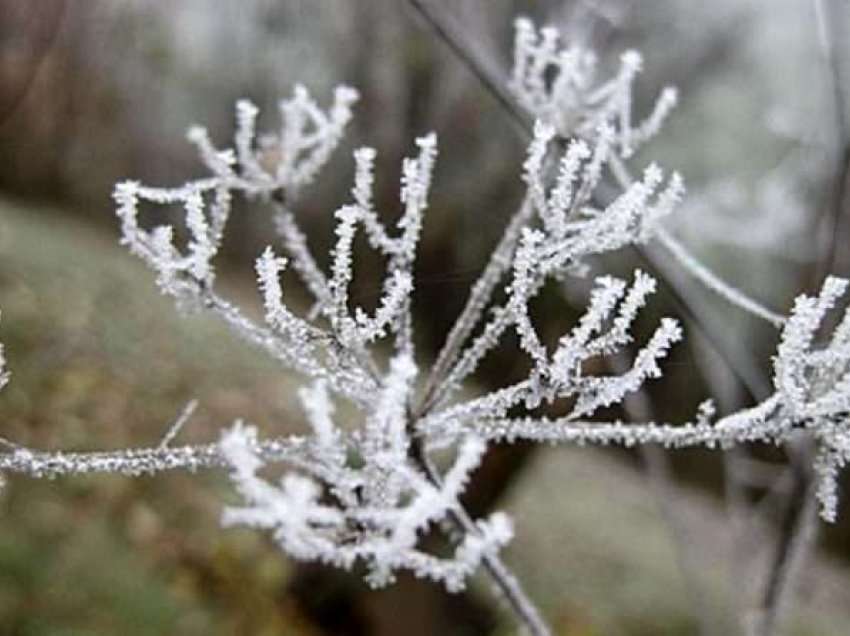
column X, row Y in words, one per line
column 379, row 508
column 367, row 489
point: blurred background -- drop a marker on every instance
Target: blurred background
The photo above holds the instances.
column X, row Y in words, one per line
column 608, row 542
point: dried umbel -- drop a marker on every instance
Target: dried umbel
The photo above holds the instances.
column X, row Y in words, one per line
column 368, row 489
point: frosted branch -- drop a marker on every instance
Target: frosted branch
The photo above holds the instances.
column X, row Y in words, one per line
column 559, row 86
column 713, row 282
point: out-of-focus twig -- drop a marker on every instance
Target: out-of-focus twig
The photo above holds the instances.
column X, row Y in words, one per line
column 796, row 534
column 837, row 205
column 656, row 463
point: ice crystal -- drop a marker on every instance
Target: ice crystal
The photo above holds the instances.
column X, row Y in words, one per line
column 339, row 513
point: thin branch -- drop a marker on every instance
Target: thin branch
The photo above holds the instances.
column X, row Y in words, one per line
column 140, row 461
column 295, row 244
column 713, row 282
column 796, row 536
column 798, row 523
column 695, row 268
column 475, row 60
column 837, row 203
column 174, row 430
column 658, row 469
column 479, row 297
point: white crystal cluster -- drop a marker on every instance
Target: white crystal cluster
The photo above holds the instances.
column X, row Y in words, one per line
column 374, row 511
column 559, row 85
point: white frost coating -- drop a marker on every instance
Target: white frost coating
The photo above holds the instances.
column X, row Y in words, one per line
column 187, row 272
column 812, row 391
column 571, row 227
column 286, row 161
column 376, row 511
column 570, row 230
column 559, row 86
column 560, row 375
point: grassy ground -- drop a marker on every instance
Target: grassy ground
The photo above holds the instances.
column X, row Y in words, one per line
column 100, row 360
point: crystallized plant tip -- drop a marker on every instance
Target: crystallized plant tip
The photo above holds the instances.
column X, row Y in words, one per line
column 559, row 86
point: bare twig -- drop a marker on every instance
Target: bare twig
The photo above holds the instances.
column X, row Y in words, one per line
column 711, row 281
column 479, row 64
column 507, row 585
column 174, row 430
column 837, row 204
column 658, row 470
column 796, row 535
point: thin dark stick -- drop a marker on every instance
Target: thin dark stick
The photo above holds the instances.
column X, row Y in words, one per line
column 506, row 583
column 658, row 468
column 477, row 63
column 837, row 205
column 795, row 536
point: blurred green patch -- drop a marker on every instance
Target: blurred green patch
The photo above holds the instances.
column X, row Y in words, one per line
column 100, row 360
